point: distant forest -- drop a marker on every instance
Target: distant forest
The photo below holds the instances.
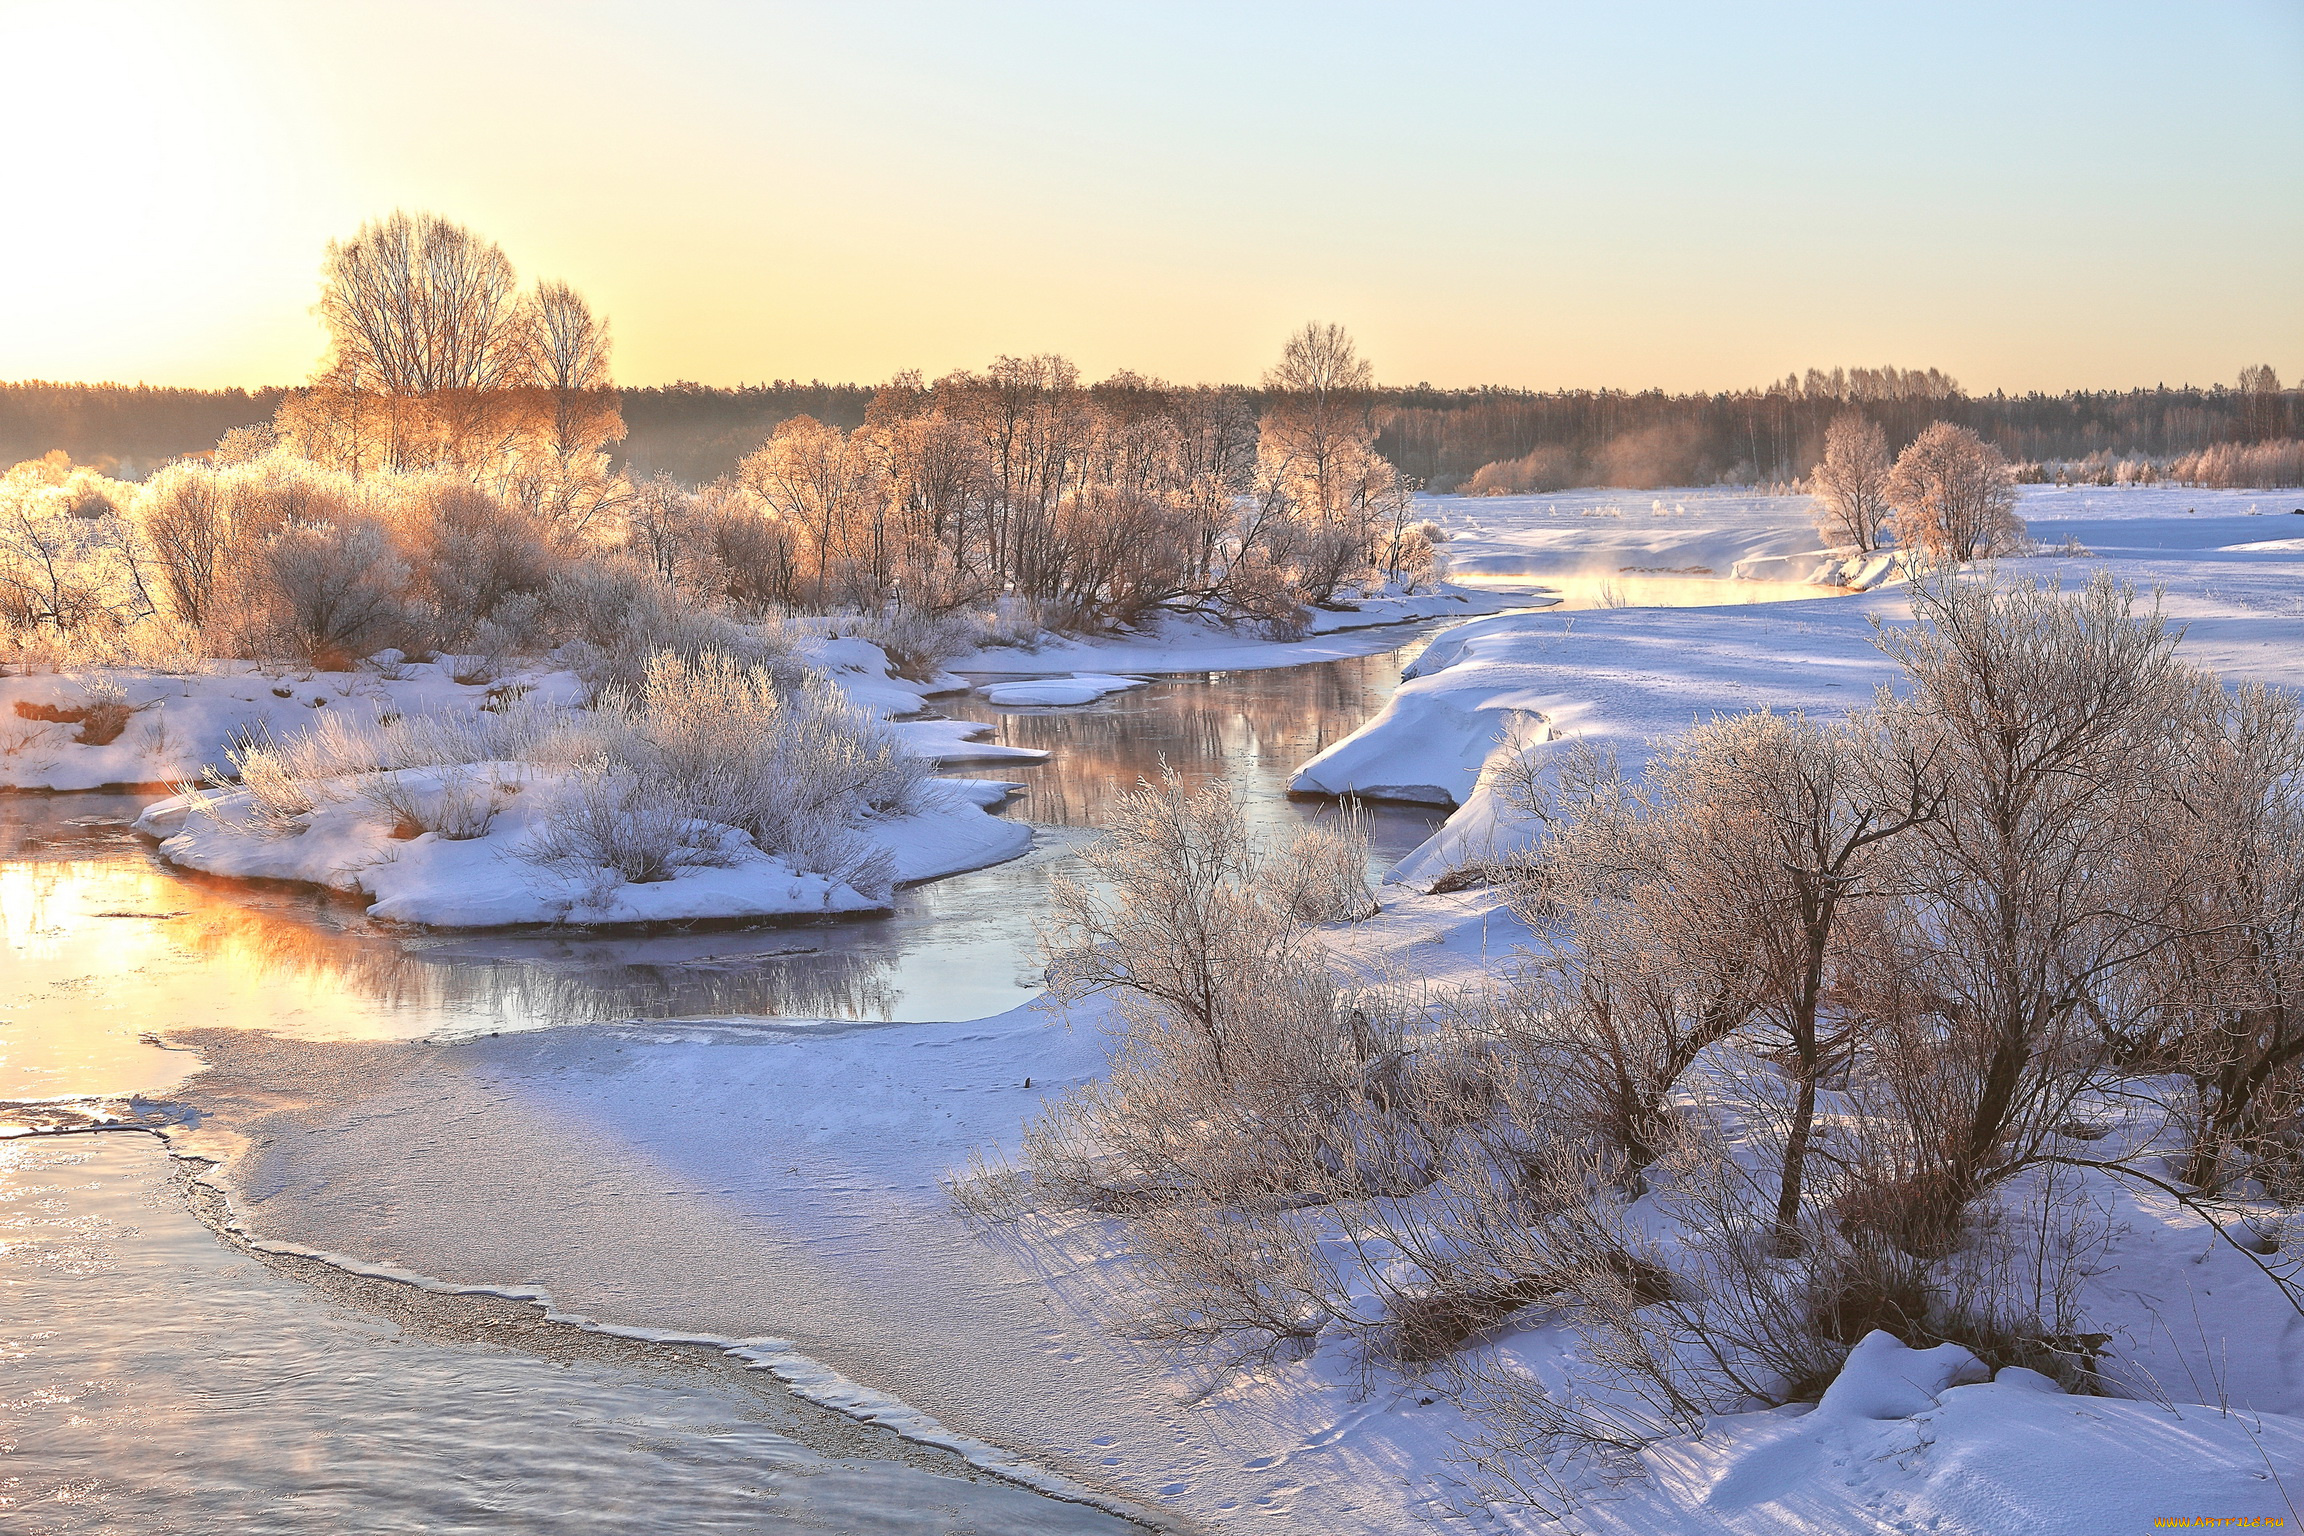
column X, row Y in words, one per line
column 1605, row 437
column 126, row 430
column 1441, row 437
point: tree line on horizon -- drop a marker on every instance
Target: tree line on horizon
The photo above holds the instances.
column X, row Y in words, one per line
column 1531, row 441
column 1440, row 438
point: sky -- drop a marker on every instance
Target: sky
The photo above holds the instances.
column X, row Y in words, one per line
column 1634, row 195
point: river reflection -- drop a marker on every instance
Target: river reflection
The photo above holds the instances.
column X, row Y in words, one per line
column 1251, row 729
column 161, row 1376
column 106, row 950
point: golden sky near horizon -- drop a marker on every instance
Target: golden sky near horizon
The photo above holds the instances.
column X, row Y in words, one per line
column 1685, row 196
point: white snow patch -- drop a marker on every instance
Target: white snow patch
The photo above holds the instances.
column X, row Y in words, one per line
column 1624, row 678
column 1079, row 688
column 483, row 882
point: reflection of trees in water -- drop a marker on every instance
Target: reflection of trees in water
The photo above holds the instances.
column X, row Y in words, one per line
column 58, row 878
column 803, row 972
column 36, row 826
column 1253, row 729
column 550, row 979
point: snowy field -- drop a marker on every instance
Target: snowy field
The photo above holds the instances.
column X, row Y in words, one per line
column 1641, row 539
column 740, row 1177
column 2230, row 566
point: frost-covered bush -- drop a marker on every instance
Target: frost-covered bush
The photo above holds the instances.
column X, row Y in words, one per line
column 604, row 819
column 71, row 567
column 616, row 616
column 791, row 764
column 332, row 592
column 917, row 642
column 477, row 567
column 282, row 787
column 706, row 760
column 1321, row 874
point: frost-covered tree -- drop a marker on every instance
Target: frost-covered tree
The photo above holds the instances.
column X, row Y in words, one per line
column 1852, row 482
column 437, row 359
column 1955, row 497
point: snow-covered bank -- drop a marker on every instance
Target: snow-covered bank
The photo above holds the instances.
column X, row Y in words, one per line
column 735, row 1180
column 82, row 730
column 1620, row 678
column 1191, row 644
column 517, row 805
column 1616, row 678
column 87, row 729
column 485, row 882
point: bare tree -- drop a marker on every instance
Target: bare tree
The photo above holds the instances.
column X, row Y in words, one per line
column 2264, row 413
column 1317, row 455
column 2225, row 1002
column 2048, row 725
column 432, row 349
column 1184, row 927
column 416, row 304
column 568, row 358
column 1647, row 912
column 830, row 488
column 1794, row 816
column 1321, row 389
column 1955, row 497
column 659, row 524
column 188, row 521
column 1852, row 482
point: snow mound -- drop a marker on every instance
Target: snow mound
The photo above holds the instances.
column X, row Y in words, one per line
column 1455, row 735
column 955, row 741
column 1883, row 1378
column 1919, row 1440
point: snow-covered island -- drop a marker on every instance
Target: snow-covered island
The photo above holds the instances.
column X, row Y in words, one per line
column 719, row 790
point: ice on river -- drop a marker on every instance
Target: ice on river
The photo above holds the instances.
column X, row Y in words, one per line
column 1079, row 688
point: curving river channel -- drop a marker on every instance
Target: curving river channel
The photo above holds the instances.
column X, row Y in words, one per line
column 157, row 1374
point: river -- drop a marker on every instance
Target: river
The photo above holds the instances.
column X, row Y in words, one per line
column 156, row 1374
